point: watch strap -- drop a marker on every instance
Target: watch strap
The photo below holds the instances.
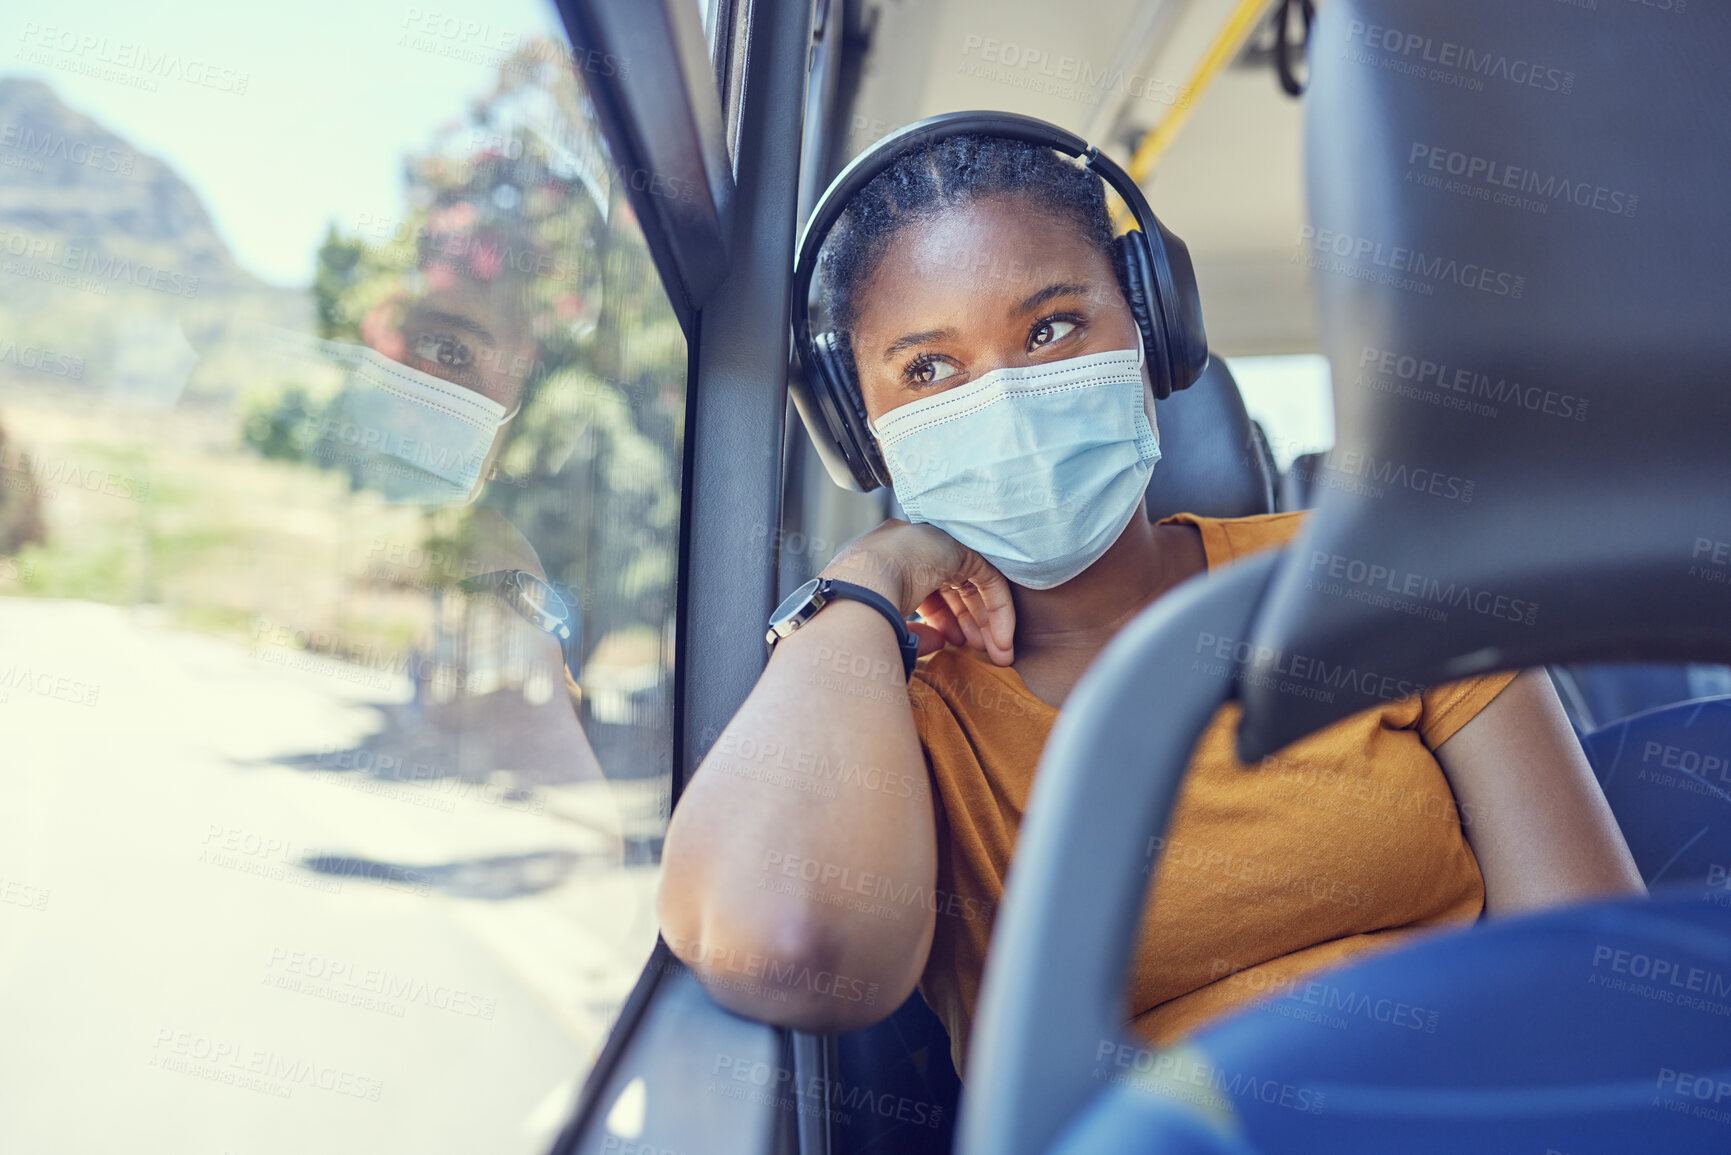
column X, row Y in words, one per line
column 908, row 642
column 906, row 639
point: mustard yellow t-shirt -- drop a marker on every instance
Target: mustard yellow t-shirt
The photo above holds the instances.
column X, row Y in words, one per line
column 1345, row 842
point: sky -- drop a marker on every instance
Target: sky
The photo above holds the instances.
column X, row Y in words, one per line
column 335, row 93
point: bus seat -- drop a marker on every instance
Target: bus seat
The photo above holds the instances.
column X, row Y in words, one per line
column 1451, row 1046
column 905, row 1064
column 1212, row 460
column 1594, row 694
column 1574, row 511
column 1598, row 694
column 1298, row 483
column 1667, row 775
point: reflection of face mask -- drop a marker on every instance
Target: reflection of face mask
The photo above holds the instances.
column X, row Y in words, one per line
column 1037, row 469
column 405, row 434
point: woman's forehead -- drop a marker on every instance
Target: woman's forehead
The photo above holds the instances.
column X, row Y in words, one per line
column 993, row 256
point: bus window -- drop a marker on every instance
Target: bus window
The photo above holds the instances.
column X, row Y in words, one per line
column 1288, row 395
column 341, row 414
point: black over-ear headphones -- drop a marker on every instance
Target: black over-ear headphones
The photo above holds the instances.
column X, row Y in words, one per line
column 1153, row 266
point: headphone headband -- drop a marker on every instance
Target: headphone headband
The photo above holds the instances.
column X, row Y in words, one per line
column 1163, row 260
column 868, row 165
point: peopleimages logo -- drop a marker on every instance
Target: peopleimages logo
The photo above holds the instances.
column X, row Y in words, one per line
column 1704, row 763
column 1414, row 591
column 1175, row 1073
column 40, row 359
column 82, row 259
column 1296, row 674
column 1385, row 471
column 788, row 1089
column 1069, row 77
column 1510, row 184
column 92, row 51
column 1438, row 382
column 875, row 886
column 1458, row 64
column 238, row 1064
column 1368, row 259
column 27, row 141
column 434, row 458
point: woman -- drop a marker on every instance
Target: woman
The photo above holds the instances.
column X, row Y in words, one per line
column 807, row 885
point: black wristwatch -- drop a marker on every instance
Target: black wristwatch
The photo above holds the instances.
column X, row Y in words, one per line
column 811, row 597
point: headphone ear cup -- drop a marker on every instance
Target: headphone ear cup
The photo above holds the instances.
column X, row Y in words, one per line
column 1167, row 308
column 1134, row 265
column 844, row 410
column 1181, row 306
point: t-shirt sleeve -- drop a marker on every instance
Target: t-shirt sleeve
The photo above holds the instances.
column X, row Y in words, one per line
column 924, row 701
column 1446, row 708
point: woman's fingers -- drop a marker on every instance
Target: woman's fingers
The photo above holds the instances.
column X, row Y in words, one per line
column 995, row 628
column 935, row 612
column 931, row 640
column 959, row 610
column 991, row 606
column 999, row 610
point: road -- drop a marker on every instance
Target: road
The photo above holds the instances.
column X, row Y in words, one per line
column 210, row 947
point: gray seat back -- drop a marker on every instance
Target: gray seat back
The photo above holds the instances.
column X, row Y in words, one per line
column 1520, row 231
column 1213, row 458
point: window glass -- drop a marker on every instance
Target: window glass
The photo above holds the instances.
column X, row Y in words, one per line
column 1290, row 395
column 340, row 426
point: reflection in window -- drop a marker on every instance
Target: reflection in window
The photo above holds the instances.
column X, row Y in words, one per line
column 337, row 624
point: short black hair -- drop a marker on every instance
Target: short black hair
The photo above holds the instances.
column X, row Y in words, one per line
column 942, row 174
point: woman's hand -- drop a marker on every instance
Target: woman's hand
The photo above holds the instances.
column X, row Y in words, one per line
column 961, row 597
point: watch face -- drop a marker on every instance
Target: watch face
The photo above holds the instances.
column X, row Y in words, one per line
column 531, row 596
column 539, row 596
column 791, row 604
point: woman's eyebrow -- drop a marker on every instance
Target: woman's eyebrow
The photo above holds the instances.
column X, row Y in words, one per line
column 421, row 316
column 913, row 339
column 1058, row 289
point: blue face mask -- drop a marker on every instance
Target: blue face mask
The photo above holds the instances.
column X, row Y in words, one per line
column 1037, row 469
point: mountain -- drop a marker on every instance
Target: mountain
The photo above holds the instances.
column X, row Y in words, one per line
column 109, row 260
column 65, row 176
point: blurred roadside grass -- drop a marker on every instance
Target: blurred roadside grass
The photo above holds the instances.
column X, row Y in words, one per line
column 171, row 510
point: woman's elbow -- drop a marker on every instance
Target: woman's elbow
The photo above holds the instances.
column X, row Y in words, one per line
column 782, row 970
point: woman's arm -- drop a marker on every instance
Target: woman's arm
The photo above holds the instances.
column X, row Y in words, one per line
column 799, row 862
column 1532, row 810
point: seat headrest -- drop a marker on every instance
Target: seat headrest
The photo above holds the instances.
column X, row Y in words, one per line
column 1298, row 483
column 1213, row 461
column 1520, row 226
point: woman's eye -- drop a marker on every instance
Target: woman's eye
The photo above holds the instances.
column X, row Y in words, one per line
column 443, row 349
column 929, row 372
column 1046, row 332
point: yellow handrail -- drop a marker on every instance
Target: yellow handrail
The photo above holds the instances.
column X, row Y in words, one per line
column 1226, row 45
